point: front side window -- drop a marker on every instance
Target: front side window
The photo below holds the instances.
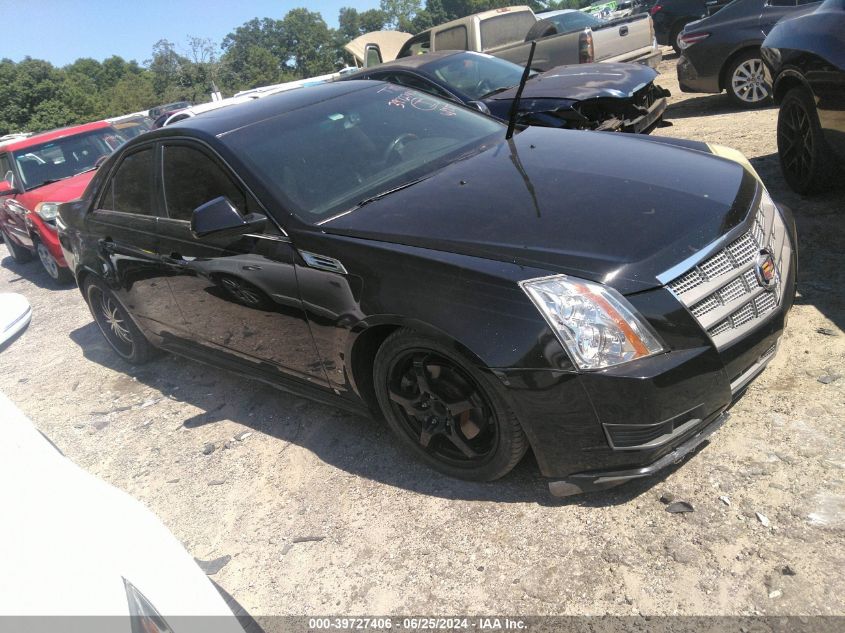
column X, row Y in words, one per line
column 130, row 188
column 65, row 157
column 6, row 173
column 326, row 158
column 191, row 179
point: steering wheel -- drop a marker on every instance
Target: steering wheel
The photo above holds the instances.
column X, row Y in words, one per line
column 484, row 86
column 393, row 148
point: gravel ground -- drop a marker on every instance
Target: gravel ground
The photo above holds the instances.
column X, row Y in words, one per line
column 767, row 535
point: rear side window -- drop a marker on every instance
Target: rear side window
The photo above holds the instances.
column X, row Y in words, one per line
column 508, row 28
column 191, row 179
column 130, row 188
column 454, row 39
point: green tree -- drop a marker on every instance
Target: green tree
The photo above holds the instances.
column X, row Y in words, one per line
column 309, row 44
column 400, row 13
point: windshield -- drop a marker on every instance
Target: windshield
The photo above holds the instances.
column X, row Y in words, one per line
column 476, row 75
column 65, row 157
column 331, row 156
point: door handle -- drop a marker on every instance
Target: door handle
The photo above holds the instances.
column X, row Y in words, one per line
column 623, row 30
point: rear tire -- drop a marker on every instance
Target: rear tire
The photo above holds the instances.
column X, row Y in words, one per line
column 20, row 254
column 541, row 29
column 445, row 410
column 806, row 160
column 117, row 326
column 745, row 81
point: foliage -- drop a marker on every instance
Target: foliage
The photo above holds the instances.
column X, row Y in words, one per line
column 35, row 95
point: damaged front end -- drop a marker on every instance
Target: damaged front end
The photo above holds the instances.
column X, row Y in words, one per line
column 638, row 113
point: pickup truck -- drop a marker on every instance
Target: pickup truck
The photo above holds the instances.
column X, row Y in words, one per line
column 507, row 33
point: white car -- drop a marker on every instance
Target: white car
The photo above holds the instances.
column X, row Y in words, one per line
column 15, row 315
column 73, row 545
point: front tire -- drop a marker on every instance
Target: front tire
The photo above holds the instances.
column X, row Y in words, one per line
column 117, row 326
column 445, row 410
column 806, row 160
column 20, row 254
column 58, row 273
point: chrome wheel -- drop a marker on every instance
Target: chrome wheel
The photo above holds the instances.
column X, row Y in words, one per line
column 47, row 260
column 748, row 82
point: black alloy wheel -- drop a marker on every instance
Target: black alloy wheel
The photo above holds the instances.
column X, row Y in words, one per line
column 805, row 158
column 117, row 327
column 441, row 408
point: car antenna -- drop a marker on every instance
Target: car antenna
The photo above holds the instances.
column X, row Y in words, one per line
column 515, row 102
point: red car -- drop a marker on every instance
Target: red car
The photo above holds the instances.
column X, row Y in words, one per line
column 39, row 172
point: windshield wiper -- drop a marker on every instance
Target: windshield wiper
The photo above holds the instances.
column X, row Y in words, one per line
column 381, row 195
column 495, row 92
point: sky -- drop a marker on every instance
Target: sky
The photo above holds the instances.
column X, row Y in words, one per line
column 61, row 31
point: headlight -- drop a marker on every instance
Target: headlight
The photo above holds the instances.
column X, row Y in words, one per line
column 594, row 323
column 47, row 210
column 143, row 616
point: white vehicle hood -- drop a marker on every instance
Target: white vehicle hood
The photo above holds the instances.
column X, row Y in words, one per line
column 68, row 539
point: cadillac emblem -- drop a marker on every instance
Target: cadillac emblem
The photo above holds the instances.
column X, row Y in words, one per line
column 764, row 269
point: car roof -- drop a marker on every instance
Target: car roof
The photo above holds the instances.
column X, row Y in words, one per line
column 223, row 120
column 416, row 62
column 37, row 139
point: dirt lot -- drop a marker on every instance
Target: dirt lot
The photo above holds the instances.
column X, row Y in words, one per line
column 398, row 538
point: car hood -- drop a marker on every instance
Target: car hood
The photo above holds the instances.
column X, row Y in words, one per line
column 606, row 207
column 584, row 81
column 64, row 190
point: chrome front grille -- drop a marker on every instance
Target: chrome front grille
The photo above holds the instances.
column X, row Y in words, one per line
column 722, row 291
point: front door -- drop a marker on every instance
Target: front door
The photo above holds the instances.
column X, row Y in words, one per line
column 238, row 295
column 123, row 222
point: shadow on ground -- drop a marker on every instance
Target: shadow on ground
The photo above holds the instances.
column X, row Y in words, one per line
column 31, row 271
column 705, row 105
column 361, row 446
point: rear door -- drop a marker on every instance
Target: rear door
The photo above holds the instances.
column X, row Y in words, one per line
column 238, row 295
column 123, row 222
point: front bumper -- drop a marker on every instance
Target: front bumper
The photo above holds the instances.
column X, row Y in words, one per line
column 651, row 117
column 49, row 237
column 594, row 430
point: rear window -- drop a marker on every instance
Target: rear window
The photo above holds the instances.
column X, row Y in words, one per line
column 454, row 39
column 508, row 28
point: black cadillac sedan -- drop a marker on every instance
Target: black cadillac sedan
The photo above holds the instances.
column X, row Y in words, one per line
column 605, row 97
column 599, row 299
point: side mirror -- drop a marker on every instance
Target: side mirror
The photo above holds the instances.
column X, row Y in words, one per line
column 7, row 188
column 219, row 217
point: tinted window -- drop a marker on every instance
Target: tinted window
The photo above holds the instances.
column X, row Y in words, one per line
column 130, row 189
column 191, row 179
column 327, row 157
column 373, row 56
column 454, row 39
column 507, row 28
